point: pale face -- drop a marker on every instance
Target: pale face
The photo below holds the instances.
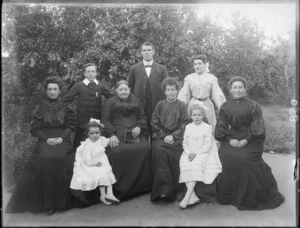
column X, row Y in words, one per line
column 94, row 133
column 147, row 53
column 199, row 66
column 90, row 73
column 237, row 90
column 52, row 90
column 171, row 92
column 197, row 116
column 123, row 91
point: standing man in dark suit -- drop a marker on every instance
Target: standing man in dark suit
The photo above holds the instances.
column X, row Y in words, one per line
column 145, row 80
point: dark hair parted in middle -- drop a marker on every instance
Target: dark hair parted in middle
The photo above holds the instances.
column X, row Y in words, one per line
column 53, row 79
column 237, row 79
column 201, row 57
column 170, row 81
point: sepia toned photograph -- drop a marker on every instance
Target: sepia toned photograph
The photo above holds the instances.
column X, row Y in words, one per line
column 150, row 114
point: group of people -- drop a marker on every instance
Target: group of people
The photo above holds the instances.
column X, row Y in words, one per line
column 149, row 136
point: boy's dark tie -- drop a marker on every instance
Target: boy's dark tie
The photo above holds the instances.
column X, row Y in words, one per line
column 92, row 85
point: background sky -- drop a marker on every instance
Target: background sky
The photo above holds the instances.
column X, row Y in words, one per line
column 273, row 18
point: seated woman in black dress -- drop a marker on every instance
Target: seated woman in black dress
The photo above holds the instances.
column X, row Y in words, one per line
column 45, row 182
column 246, row 180
column 168, row 122
column 130, row 161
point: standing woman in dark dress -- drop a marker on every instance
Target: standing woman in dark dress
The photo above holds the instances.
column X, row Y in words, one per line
column 246, row 180
column 130, row 161
column 168, row 122
column 45, row 182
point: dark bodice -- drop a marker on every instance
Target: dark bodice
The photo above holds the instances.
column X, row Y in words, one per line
column 169, row 119
column 52, row 114
column 240, row 119
column 123, row 114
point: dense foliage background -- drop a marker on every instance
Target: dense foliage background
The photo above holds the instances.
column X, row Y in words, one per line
column 44, row 40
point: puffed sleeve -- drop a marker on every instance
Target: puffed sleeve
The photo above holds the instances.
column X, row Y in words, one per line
column 217, row 94
column 109, row 130
column 104, row 141
column 157, row 131
column 70, row 121
column 207, row 143
column 257, row 131
column 37, row 124
column 222, row 126
column 183, row 120
column 83, row 153
column 185, row 93
column 185, row 145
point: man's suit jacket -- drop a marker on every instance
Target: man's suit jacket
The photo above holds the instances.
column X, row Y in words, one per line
column 89, row 101
column 137, row 80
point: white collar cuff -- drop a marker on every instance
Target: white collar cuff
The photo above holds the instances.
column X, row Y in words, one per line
column 86, row 81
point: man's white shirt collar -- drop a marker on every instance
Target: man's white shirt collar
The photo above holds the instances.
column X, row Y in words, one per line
column 146, row 63
column 86, row 81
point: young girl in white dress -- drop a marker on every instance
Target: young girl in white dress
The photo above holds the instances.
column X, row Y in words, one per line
column 199, row 160
column 91, row 167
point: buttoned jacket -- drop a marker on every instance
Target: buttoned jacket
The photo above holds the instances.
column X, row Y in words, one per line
column 137, row 80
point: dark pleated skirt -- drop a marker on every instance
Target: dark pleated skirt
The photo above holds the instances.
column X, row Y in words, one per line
column 46, row 178
column 165, row 170
column 131, row 166
column 246, row 180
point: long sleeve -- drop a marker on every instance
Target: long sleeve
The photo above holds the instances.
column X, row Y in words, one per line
column 184, row 94
column 257, row 131
column 70, row 122
column 185, row 145
column 69, row 97
column 157, row 130
column 106, row 118
column 141, row 118
column 184, row 119
column 131, row 79
column 207, row 143
column 222, row 127
column 217, row 94
column 37, row 124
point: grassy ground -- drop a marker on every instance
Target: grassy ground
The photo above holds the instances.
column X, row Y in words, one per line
column 281, row 132
column 18, row 144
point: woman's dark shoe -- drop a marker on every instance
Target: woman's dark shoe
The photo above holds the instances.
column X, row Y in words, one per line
column 167, row 198
column 50, row 211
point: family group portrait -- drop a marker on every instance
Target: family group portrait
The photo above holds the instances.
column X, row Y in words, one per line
column 150, row 114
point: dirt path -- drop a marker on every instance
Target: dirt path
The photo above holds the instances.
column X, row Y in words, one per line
column 141, row 212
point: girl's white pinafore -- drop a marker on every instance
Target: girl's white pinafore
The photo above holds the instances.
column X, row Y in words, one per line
column 86, row 175
column 206, row 166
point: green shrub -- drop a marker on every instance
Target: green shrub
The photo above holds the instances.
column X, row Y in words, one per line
column 281, row 133
column 17, row 144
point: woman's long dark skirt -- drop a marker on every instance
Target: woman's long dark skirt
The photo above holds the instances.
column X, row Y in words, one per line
column 165, row 170
column 246, row 180
column 131, row 166
column 46, row 178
